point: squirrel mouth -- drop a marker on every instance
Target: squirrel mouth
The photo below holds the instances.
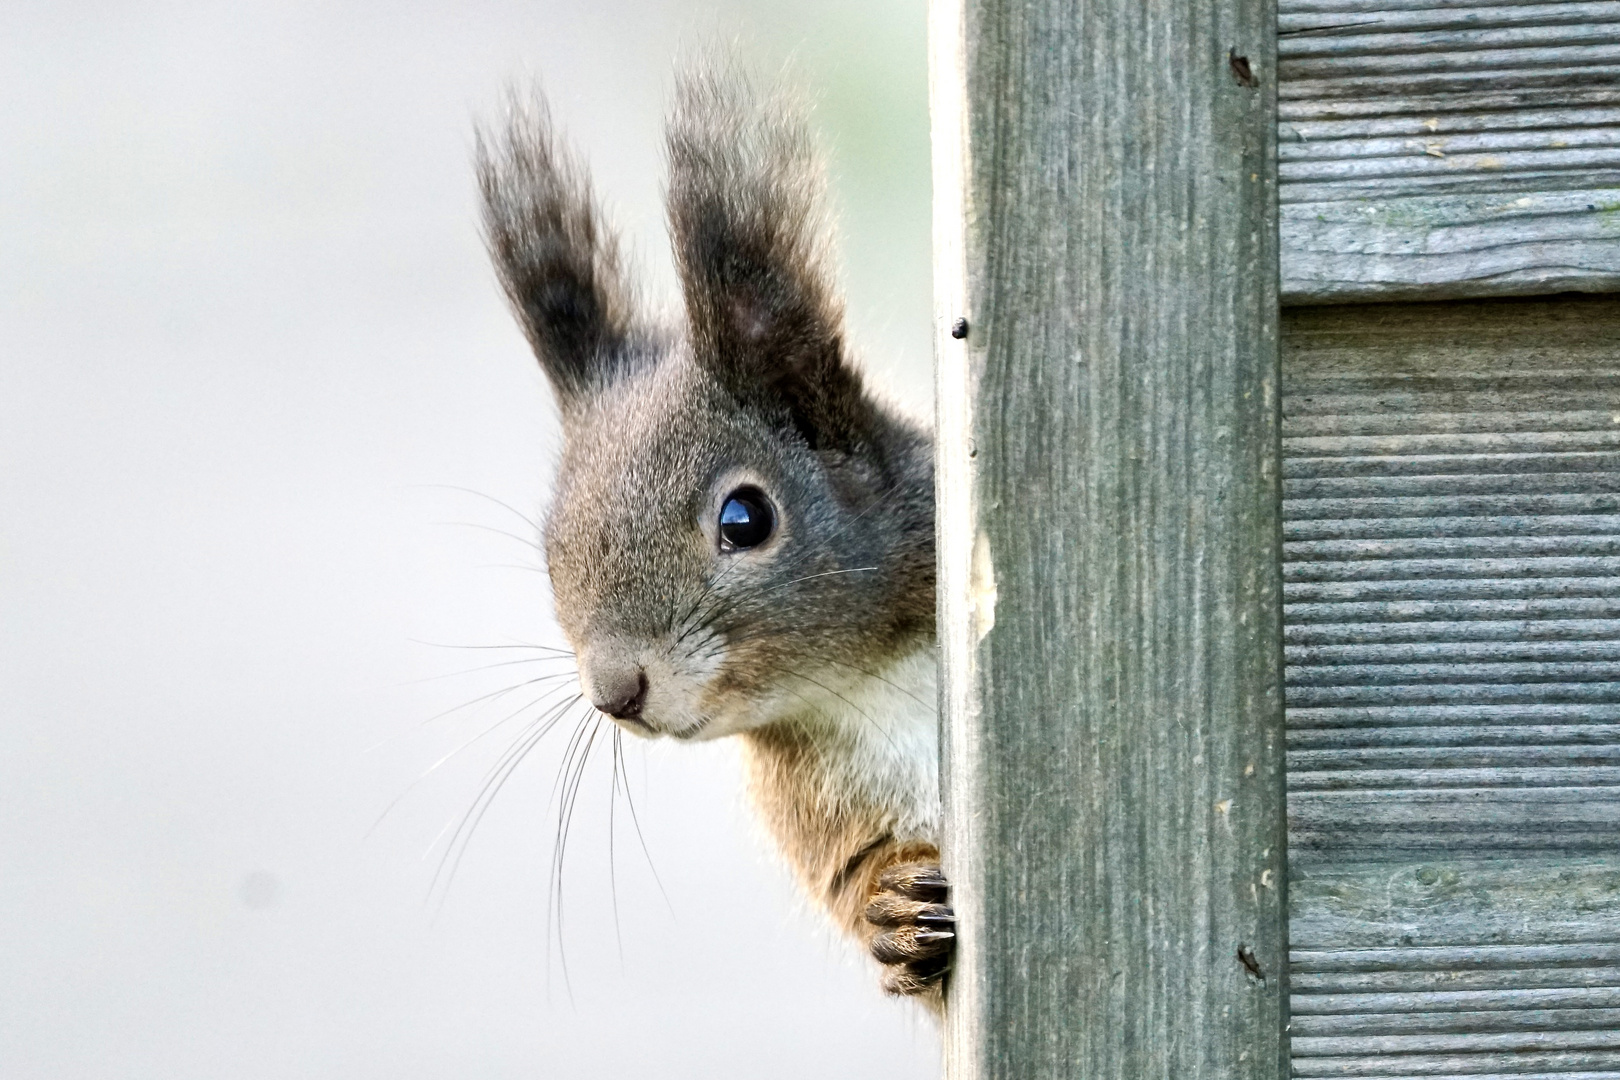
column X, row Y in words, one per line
column 637, row 724
column 691, row 732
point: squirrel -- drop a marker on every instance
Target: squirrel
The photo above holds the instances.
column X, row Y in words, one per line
column 741, row 538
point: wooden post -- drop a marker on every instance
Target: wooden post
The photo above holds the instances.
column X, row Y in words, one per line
column 1109, row 537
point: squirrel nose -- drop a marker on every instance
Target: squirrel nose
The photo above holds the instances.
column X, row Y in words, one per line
column 622, row 693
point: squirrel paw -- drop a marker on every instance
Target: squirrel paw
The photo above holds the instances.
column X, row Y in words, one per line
column 916, row 928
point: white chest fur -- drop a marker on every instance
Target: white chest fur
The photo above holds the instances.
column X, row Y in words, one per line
column 882, row 744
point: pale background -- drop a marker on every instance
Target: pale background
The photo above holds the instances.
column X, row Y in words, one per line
column 246, row 327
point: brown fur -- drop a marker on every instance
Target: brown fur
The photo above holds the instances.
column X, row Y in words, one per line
column 839, row 848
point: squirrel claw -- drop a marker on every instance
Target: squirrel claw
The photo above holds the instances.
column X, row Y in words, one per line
column 916, row 928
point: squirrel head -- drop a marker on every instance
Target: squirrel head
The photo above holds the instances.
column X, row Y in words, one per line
column 739, row 531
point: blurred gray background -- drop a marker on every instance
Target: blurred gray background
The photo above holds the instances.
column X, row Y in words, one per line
column 250, row 350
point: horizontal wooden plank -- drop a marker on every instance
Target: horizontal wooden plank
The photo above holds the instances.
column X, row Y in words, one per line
column 1529, row 674
column 1447, row 512
column 1301, row 137
column 1487, row 735
column 1403, row 526
column 1514, row 842
column 1452, row 547
column 1416, row 1021
column 1482, row 804
column 1418, row 246
column 1505, row 980
column 1594, row 692
column 1377, row 467
column 1557, row 48
column 1300, row 24
column 1424, row 622
column 1556, row 1065
column 1598, row 566
column 1558, row 618
column 1443, row 920
column 1340, row 399
column 1494, row 421
column 1401, row 715
column 1372, row 816
column 1452, row 652
column 1518, row 1042
column 1448, row 150
column 1476, row 779
column 1380, row 595
column 1452, row 957
column 1473, row 442
column 1357, row 9
column 1456, row 488
column 1429, row 153
column 1407, row 758
column 1407, row 569
column 1309, row 102
column 1468, row 1002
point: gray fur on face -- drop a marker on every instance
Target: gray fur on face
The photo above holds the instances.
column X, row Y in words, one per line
column 661, row 424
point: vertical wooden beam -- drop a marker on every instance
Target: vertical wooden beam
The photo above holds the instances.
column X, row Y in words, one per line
column 1110, row 537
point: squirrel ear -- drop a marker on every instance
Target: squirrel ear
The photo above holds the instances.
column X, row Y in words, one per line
column 557, row 262
column 750, row 248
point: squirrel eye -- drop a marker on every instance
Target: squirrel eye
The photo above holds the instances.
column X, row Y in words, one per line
column 745, row 519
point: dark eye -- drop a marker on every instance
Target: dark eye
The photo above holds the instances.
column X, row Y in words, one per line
column 745, row 520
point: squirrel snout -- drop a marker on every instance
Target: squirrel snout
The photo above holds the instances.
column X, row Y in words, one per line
column 620, row 691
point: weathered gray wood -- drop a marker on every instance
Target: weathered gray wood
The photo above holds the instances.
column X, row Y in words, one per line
column 1109, row 537
column 1453, row 688
column 1453, row 914
column 1432, row 149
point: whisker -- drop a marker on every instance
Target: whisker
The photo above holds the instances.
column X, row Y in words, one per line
column 557, row 783
column 488, row 796
column 793, row 557
column 710, row 616
column 495, row 779
column 825, row 542
column 807, row 552
column 618, row 750
column 812, row 577
column 565, row 820
column 613, row 873
column 845, row 700
column 431, row 768
column 513, row 751
column 525, row 541
column 515, row 645
column 496, row 695
column 564, row 771
column 565, row 812
column 705, row 591
column 486, row 667
column 874, row 675
column 722, row 604
column 738, row 639
column 525, row 518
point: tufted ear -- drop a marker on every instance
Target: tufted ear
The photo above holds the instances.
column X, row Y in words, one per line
column 750, row 246
column 557, row 261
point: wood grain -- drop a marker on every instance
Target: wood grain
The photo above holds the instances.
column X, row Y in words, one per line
column 1452, row 635
column 1433, row 149
column 1110, row 537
